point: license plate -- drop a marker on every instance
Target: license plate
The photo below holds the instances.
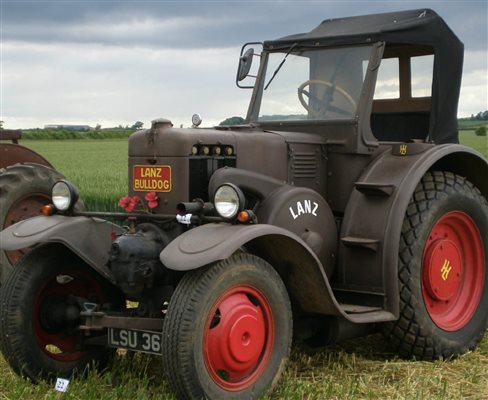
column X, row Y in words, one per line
column 135, row 340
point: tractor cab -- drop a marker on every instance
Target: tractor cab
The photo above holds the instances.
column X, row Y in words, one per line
column 360, row 81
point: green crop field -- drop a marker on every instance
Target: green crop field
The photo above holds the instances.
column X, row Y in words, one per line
column 479, row 143
column 466, row 124
column 362, row 368
column 97, row 167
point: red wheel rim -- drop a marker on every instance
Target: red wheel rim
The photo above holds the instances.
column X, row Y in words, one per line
column 238, row 338
column 453, row 271
column 62, row 343
column 25, row 207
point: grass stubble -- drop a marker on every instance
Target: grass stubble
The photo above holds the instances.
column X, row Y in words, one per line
column 363, row 368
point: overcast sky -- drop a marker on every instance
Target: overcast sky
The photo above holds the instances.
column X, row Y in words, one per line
column 116, row 62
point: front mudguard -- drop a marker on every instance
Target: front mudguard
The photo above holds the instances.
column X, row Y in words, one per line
column 88, row 238
column 301, row 270
column 213, row 242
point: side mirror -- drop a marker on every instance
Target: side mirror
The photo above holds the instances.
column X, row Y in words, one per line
column 248, row 52
column 245, row 62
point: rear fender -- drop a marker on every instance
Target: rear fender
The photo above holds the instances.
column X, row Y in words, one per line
column 15, row 153
column 372, row 225
column 88, row 238
column 298, row 266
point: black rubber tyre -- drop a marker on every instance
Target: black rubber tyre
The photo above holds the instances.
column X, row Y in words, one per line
column 24, row 188
column 39, row 314
column 443, row 274
column 228, row 330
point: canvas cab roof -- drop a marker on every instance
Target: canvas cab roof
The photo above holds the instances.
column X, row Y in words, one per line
column 416, row 27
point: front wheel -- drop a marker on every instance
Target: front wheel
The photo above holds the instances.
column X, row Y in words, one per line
column 228, row 330
column 40, row 309
column 443, row 275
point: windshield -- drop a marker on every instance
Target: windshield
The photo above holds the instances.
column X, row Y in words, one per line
column 320, row 84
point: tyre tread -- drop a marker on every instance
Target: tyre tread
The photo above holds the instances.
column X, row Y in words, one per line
column 177, row 332
column 406, row 334
column 15, row 342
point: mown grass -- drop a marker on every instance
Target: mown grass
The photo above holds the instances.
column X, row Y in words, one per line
column 365, row 369
column 362, row 368
column 357, row 369
column 479, row 143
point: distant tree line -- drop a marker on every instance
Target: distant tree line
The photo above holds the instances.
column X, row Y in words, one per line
column 232, row 121
column 69, row 132
column 481, row 116
column 120, row 132
column 63, row 134
column 475, row 122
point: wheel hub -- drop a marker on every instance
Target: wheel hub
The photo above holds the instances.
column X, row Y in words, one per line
column 443, row 270
column 453, row 271
column 246, row 335
column 238, row 338
column 55, row 314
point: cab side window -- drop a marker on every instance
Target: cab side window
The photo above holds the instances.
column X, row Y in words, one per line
column 422, row 69
column 402, row 97
column 388, row 80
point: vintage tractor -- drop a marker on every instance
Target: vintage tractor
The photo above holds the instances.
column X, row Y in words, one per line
column 26, row 179
column 342, row 206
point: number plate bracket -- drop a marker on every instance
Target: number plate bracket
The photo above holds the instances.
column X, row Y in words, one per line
column 100, row 320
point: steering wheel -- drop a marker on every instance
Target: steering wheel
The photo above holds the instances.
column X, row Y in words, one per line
column 325, row 103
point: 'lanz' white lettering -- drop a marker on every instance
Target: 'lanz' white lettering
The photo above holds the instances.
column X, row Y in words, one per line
column 306, row 208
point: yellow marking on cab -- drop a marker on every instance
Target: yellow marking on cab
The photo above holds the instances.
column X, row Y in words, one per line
column 403, row 149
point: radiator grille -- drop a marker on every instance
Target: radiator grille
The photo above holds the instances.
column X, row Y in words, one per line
column 201, row 169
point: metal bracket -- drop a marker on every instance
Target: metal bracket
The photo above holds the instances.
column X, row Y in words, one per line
column 98, row 320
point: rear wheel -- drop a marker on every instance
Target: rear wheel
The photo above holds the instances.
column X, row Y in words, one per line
column 40, row 314
column 24, row 189
column 227, row 333
column 442, row 269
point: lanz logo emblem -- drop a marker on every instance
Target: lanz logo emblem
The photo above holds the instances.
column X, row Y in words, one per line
column 305, row 207
column 446, row 268
column 403, row 149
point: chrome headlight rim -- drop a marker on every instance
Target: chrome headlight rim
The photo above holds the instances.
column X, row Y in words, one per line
column 64, row 195
column 235, row 200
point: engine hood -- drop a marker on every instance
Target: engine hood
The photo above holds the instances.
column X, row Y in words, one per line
column 178, row 142
column 254, row 149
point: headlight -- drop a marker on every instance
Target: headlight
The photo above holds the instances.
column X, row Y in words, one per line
column 228, row 200
column 64, row 195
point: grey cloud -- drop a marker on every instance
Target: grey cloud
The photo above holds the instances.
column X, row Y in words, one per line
column 116, row 62
column 192, row 24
